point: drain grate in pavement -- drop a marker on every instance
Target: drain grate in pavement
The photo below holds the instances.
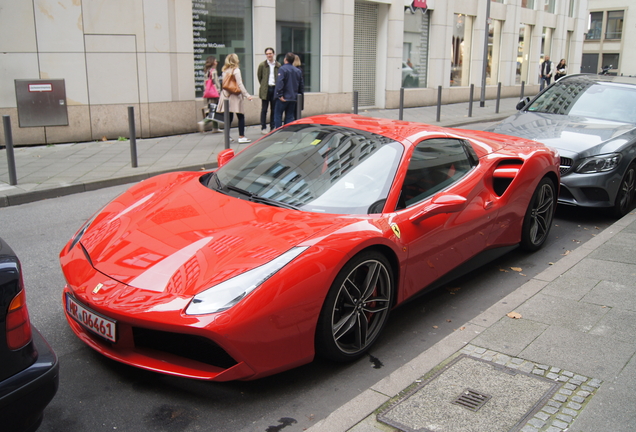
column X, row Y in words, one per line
column 507, row 399
column 471, row 399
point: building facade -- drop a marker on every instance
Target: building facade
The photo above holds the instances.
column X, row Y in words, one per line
column 607, row 31
column 149, row 54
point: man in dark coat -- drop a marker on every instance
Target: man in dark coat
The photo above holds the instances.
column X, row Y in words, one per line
column 289, row 84
column 266, row 74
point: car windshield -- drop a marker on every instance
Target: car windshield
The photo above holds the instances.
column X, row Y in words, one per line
column 605, row 101
column 315, row 168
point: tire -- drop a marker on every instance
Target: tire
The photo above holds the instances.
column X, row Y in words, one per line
column 538, row 219
column 625, row 196
column 356, row 308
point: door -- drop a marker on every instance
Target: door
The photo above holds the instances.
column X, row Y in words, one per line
column 445, row 211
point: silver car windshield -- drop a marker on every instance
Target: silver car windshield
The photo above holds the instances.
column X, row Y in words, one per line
column 605, row 101
column 316, row 168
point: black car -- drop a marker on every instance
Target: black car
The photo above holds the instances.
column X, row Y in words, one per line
column 28, row 366
column 591, row 121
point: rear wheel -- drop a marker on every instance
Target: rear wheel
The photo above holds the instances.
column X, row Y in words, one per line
column 538, row 219
column 356, row 308
column 625, row 195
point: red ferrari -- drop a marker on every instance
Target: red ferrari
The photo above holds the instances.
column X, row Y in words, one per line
column 300, row 245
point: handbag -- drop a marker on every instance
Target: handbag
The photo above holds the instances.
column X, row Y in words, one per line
column 210, row 90
column 229, row 83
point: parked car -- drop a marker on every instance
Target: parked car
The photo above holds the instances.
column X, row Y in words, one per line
column 28, row 365
column 591, row 120
column 300, row 245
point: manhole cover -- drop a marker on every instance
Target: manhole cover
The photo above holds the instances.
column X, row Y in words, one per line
column 498, row 398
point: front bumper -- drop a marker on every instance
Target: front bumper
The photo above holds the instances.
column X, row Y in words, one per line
column 590, row 190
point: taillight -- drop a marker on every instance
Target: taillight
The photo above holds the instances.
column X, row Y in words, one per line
column 18, row 323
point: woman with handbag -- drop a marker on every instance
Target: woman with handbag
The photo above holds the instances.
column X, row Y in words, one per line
column 210, row 93
column 234, row 91
column 561, row 70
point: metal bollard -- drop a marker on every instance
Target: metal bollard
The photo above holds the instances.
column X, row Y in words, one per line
column 355, row 101
column 299, row 106
column 439, row 103
column 523, row 85
column 401, row 110
column 133, row 136
column 470, row 103
column 8, row 140
column 498, row 97
column 226, row 123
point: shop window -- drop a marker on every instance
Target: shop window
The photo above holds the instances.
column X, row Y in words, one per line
column 460, row 50
column 494, row 51
column 523, row 53
column 298, row 31
column 415, row 48
column 222, row 27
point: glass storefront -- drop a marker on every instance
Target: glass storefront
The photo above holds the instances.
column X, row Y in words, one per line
column 415, row 48
column 298, row 31
column 222, row 27
column 461, row 48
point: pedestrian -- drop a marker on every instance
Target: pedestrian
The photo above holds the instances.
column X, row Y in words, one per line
column 234, row 91
column 210, row 94
column 561, row 70
column 266, row 74
column 545, row 72
column 289, row 84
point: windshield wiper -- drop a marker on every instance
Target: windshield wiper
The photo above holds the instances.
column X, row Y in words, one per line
column 271, row 201
column 219, row 185
column 259, row 199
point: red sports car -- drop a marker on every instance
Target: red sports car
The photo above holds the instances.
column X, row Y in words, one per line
column 300, row 245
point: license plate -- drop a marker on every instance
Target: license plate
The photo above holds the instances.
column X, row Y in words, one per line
column 99, row 324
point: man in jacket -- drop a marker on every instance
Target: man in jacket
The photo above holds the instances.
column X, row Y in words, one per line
column 266, row 74
column 545, row 72
column 289, row 84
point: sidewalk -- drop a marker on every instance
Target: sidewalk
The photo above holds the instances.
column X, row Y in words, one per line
column 556, row 354
column 62, row 169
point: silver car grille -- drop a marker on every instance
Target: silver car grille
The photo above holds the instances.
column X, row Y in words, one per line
column 566, row 165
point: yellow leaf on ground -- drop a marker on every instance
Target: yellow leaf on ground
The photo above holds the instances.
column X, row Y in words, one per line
column 517, row 269
column 435, row 327
column 514, row 315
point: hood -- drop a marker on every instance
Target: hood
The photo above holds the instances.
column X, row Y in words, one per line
column 172, row 234
column 571, row 135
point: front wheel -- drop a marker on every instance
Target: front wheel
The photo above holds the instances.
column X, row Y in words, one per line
column 538, row 219
column 356, row 308
column 625, row 195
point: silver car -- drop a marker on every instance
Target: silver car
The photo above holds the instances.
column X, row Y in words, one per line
column 591, row 120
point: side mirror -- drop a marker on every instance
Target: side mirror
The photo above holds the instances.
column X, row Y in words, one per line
column 522, row 103
column 224, row 157
column 444, row 203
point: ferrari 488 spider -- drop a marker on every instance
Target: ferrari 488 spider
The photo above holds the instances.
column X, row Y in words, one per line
column 300, row 245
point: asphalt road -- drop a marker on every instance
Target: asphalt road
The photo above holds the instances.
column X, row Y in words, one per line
column 97, row 394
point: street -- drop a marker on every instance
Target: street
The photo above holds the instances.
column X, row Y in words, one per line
column 99, row 394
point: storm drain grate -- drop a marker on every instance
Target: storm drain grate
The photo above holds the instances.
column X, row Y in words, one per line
column 471, row 399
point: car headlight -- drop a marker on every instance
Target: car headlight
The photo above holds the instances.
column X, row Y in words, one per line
column 601, row 163
column 226, row 294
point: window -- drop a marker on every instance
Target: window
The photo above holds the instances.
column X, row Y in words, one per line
column 415, row 48
column 614, row 28
column 461, row 50
column 298, row 31
column 549, row 6
column 523, row 52
column 571, row 9
column 494, row 51
column 435, row 164
column 222, row 27
column 610, row 60
column 528, row 4
column 595, row 26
